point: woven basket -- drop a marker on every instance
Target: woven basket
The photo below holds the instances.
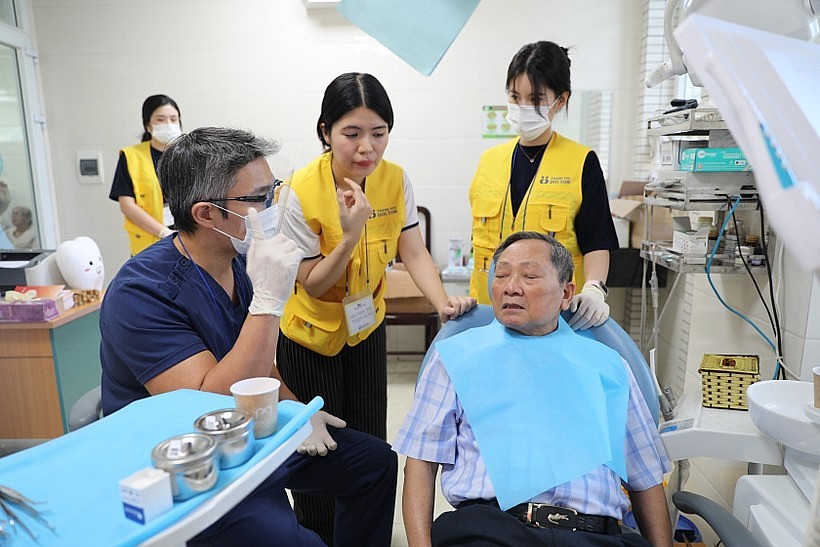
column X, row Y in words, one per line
column 725, row 379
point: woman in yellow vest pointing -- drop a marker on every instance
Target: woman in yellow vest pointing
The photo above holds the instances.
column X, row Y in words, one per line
column 351, row 211
column 544, row 182
column 135, row 186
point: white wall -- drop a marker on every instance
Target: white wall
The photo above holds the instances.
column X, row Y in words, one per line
column 264, row 64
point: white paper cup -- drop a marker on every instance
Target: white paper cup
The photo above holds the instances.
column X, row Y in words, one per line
column 259, row 397
column 816, row 376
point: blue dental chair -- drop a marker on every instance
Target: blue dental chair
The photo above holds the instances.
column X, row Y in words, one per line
column 610, row 333
column 731, row 532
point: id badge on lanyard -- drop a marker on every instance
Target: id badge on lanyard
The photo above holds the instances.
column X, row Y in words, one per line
column 360, row 312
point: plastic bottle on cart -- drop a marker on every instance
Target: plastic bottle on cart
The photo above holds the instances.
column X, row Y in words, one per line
column 455, row 253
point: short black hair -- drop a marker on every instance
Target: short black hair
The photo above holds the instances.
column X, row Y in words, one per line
column 202, row 165
column 559, row 256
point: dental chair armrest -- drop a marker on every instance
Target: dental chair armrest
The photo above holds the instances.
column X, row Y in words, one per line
column 730, row 530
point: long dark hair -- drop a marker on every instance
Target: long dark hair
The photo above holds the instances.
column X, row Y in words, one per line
column 152, row 103
column 546, row 64
column 348, row 92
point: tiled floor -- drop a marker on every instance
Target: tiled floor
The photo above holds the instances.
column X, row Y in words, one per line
column 401, row 380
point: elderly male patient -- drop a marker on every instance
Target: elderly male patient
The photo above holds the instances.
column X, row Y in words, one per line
column 535, row 427
column 192, row 311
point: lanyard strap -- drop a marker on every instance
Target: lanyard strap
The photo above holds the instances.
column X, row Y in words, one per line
column 210, row 292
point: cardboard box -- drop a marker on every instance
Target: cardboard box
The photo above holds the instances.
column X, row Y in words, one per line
column 706, row 160
column 400, row 284
column 633, row 209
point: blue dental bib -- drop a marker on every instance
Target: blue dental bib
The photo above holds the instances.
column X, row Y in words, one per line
column 544, row 409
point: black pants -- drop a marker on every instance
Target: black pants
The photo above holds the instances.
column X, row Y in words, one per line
column 353, row 385
column 360, row 474
column 484, row 525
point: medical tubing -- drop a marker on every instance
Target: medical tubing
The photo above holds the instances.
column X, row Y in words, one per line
column 754, row 282
column 775, row 331
column 653, row 285
column 765, row 244
column 660, row 316
column 720, row 298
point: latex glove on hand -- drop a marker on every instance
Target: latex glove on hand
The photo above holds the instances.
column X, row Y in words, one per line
column 456, row 306
column 272, row 267
column 588, row 308
column 165, row 232
column 320, row 442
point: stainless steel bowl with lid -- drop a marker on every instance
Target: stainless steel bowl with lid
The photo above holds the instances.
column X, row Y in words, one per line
column 191, row 460
column 232, row 428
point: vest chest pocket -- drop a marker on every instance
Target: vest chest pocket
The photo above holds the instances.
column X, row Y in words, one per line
column 550, row 217
column 317, row 325
column 381, row 251
column 486, row 221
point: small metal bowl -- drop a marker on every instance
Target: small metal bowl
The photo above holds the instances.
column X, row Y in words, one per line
column 191, row 460
column 232, row 428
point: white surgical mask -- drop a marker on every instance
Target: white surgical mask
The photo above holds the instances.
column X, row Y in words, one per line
column 164, row 133
column 529, row 121
column 270, row 223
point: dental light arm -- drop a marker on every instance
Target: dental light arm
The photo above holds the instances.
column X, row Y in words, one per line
column 794, row 18
column 673, row 66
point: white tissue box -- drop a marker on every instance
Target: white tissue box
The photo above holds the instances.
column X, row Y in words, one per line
column 146, row 494
column 690, row 243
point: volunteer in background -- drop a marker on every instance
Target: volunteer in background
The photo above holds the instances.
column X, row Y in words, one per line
column 135, row 186
column 351, row 212
column 544, row 182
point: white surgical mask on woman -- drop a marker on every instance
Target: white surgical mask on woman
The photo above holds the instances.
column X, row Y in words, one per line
column 529, row 121
column 269, row 219
column 164, row 133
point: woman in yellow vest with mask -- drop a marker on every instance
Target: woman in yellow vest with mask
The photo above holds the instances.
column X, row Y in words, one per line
column 135, row 186
column 544, row 182
column 351, row 211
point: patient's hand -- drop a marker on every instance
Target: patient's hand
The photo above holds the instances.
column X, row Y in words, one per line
column 456, row 305
column 320, row 442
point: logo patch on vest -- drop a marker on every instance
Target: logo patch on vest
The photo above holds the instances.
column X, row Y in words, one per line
column 387, row 211
column 554, row 180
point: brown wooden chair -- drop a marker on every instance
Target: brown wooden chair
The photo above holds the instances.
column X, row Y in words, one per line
column 415, row 310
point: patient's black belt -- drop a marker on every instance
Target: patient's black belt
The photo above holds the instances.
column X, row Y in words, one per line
column 541, row 515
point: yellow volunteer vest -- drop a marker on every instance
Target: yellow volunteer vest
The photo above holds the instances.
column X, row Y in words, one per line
column 549, row 206
column 147, row 193
column 319, row 324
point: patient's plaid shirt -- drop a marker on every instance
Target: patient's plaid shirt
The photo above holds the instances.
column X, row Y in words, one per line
column 436, row 430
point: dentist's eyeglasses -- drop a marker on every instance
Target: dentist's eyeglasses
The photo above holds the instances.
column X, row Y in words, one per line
column 266, row 198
